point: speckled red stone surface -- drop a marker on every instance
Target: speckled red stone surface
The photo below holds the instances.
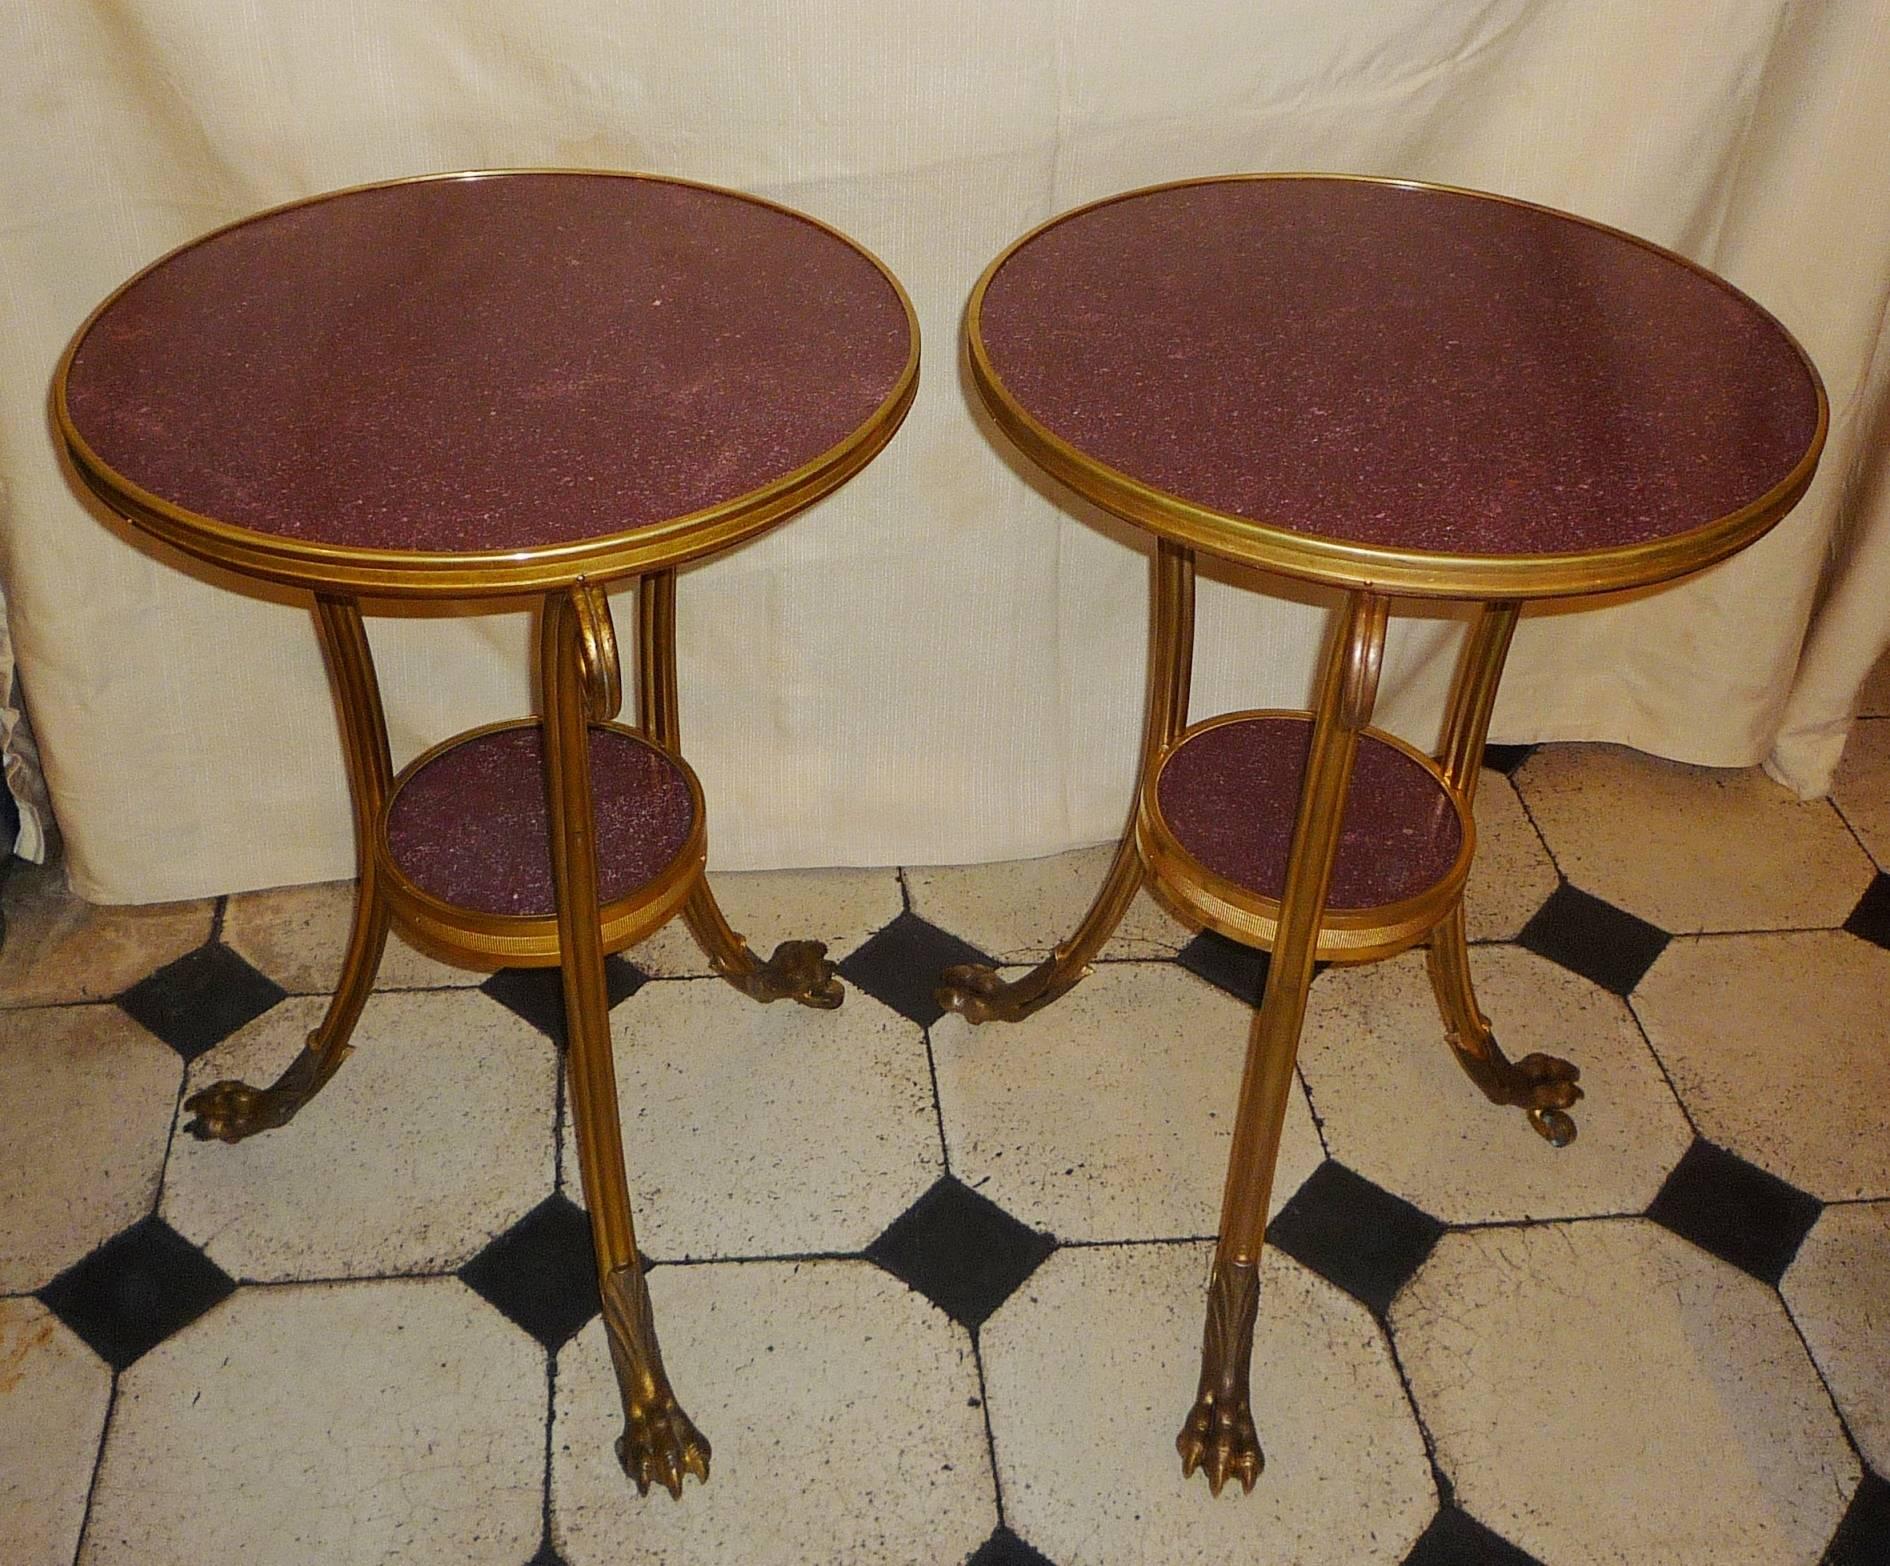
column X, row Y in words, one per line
column 472, row 828
column 1231, row 792
column 1402, row 367
column 491, row 363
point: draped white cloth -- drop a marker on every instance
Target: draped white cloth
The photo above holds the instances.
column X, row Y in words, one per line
column 944, row 661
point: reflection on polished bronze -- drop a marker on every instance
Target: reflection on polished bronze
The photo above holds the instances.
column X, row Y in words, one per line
column 1219, row 1436
column 659, row 1443
column 231, row 1110
column 487, row 457
column 1385, row 388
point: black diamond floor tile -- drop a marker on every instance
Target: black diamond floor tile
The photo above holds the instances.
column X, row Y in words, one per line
column 1239, row 970
column 1863, row 1538
column 900, row 966
column 1736, row 1210
column 1594, row 938
column 1004, row 1548
column 198, row 1001
column 1455, row 1538
column 537, row 994
column 1506, row 758
column 541, row 1273
column 1871, row 917
column 135, row 1290
column 960, row 1250
column 1354, row 1234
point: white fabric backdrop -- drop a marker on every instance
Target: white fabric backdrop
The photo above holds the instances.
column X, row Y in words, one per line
column 943, row 662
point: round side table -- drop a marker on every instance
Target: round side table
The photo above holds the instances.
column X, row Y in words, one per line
column 1395, row 390
column 471, row 386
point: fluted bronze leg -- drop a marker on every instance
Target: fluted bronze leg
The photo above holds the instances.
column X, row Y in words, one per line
column 659, row 1442
column 975, row 991
column 231, row 1110
column 798, row 970
column 1543, row 1086
column 1218, row 1436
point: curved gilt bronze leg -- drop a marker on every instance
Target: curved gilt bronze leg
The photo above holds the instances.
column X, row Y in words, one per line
column 1543, row 1086
column 231, row 1110
column 974, row 990
column 798, row 970
column 659, row 1443
column 1218, row 1436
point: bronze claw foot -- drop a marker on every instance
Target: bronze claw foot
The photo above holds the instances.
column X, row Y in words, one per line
column 1220, row 1440
column 978, row 994
column 230, row 1110
column 1543, row 1086
column 797, row 971
column 1219, row 1437
column 659, row 1442
column 659, row 1445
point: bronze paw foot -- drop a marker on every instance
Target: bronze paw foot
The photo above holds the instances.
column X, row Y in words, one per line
column 659, row 1445
column 230, row 1110
column 1220, row 1440
column 1542, row 1086
column 976, row 992
column 797, row 971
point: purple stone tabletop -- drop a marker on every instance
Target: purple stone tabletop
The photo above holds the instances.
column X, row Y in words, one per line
column 488, row 363
column 472, row 827
column 1399, row 366
column 1229, row 794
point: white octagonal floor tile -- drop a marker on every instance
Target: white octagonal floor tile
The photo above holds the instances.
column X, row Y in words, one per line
column 1018, row 910
column 754, row 1130
column 1693, row 848
column 1091, row 1368
column 1512, row 875
column 297, row 934
column 766, row 907
column 1862, row 785
column 1606, row 1392
column 398, row 1420
column 1397, row 1108
column 1838, row 1290
column 59, row 948
column 53, row 1395
column 89, row 1097
column 435, row 1135
column 1108, row 1116
column 842, row 1410
column 1779, row 1046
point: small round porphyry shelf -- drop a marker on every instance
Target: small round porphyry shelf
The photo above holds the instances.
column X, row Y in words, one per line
column 1216, row 824
column 466, row 840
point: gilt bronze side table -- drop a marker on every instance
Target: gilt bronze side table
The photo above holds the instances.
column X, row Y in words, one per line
column 1397, row 391
column 524, row 384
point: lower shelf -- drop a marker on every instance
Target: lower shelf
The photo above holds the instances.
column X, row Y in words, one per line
column 1215, row 824
column 465, row 842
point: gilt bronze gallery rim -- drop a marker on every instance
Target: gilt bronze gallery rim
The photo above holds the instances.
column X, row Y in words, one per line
column 532, row 567
column 1263, row 539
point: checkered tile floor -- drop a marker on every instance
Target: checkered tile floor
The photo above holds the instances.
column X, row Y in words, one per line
column 934, row 1292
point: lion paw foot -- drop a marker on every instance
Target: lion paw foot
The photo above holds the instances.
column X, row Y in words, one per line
column 229, row 1111
column 659, row 1446
column 797, row 971
column 1546, row 1092
column 1220, row 1440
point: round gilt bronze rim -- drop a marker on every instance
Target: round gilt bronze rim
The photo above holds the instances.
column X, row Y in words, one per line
column 531, row 940
column 1378, row 567
column 1250, row 917
column 472, row 573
